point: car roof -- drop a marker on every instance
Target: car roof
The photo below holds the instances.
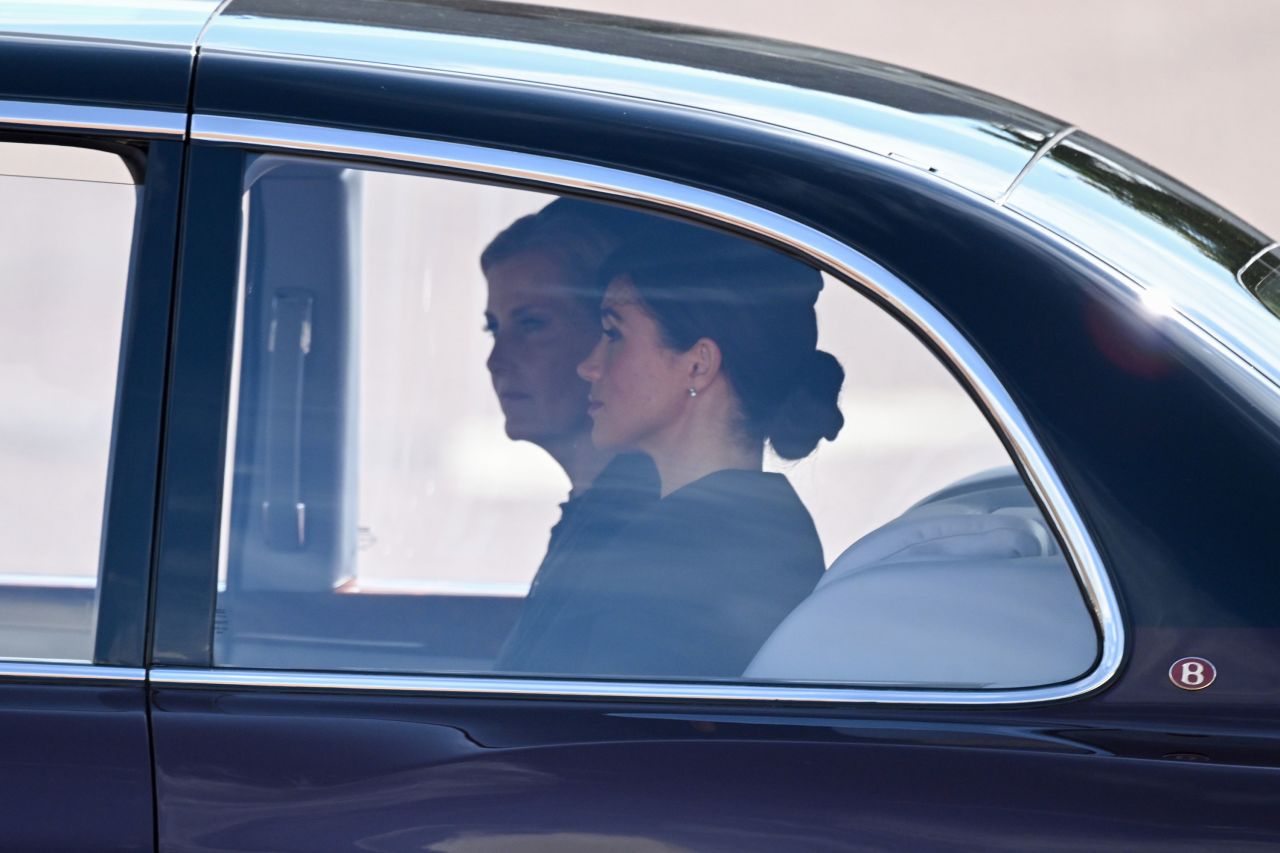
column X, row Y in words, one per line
column 970, row 138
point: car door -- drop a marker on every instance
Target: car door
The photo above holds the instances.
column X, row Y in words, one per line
column 347, row 530
column 92, row 115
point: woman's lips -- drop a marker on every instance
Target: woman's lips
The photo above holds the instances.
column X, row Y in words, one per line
column 513, row 397
column 594, row 406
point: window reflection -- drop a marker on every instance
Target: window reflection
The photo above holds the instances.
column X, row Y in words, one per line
column 550, row 436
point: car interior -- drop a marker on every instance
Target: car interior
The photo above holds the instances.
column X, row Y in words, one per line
column 975, row 561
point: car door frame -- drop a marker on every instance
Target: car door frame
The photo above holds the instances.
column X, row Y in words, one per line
column 204, row 360
column 101, row 718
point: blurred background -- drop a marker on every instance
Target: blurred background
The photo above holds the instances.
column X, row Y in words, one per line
column 1181, row 84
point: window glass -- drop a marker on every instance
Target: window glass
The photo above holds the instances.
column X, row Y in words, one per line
column 488, row 430
column 67, row 223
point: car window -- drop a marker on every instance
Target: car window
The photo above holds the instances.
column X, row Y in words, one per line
column 487, row 430
column 66, row 234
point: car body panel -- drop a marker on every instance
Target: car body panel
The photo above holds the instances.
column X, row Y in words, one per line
column 77, row 771
column 970, row 138
column 77, row 736
column 1186, row 250
column 412, row 773
column 135, row 54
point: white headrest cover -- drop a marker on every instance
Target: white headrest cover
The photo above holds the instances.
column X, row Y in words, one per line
column 968, row 589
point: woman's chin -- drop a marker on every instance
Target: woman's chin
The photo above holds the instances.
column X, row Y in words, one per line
column 523, row 431
column 547, row 437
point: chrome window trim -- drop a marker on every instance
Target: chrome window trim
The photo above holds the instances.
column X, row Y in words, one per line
column 204, row 28
column 847, row 120
column 820, row 248
column 734, row 110
column 1048, row 145
column 113, row 120
column 1262, row 253
column 577, row 689
column 52, row 670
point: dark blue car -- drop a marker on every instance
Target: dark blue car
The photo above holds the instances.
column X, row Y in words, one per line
column 463, row 426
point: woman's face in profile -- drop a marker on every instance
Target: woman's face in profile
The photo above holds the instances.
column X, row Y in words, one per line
column 540, row 334
column 639, row 386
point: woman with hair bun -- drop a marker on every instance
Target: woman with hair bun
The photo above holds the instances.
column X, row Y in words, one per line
column 709, row 350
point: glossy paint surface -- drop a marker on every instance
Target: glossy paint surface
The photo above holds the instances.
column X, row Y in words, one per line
column 126, row 546
column 1185, row 248
column 74, row 768
column 970, row 138
column 116, row 74
column 134, row 53
column 186, row 556
column 389, row 774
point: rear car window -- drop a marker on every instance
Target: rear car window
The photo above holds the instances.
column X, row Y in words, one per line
column 486, row 430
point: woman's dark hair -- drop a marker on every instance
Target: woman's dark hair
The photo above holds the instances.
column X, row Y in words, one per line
column 580, row 234
column 757, row 304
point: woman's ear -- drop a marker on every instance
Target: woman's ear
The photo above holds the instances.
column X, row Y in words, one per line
column 704, row 363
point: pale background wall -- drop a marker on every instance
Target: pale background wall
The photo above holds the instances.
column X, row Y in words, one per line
column 1184, row 84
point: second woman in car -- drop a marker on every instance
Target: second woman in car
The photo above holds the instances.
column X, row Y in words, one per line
column 708, row 351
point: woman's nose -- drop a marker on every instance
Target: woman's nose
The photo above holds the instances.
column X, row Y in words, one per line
column 589, row 369
column 498, row 360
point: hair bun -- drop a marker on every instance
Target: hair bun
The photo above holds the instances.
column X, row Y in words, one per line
column 811, row 411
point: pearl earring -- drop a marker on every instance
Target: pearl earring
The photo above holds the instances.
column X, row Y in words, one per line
column 693, row 392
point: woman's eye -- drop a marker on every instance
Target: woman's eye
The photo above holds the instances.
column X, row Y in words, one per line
column 611, row 334
column 532, row 324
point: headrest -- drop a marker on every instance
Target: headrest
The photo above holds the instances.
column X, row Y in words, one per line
column 977, row 523
column 947, row 623
column 968, row 588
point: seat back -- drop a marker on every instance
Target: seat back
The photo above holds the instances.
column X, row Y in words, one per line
column 968, row 588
